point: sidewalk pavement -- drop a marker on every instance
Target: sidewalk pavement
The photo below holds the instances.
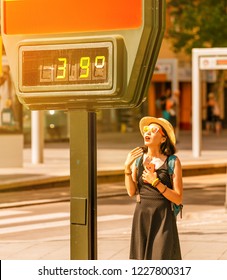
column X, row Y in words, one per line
column 209, row 224
column 112, row 149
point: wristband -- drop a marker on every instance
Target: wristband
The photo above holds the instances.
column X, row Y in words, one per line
column 128, row 173
column 155, row 182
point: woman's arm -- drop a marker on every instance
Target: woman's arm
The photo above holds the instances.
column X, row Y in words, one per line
column 176, row 194
column 131, row 171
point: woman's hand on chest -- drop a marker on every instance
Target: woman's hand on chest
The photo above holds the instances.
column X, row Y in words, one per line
column 149, row 176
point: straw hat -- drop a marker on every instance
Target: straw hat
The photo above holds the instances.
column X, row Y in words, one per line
column 160, row 121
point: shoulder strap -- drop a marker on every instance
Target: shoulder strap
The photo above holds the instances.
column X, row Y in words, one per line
column 137, row 164
column 171, row 164
column 176, row 208
column 138, row 161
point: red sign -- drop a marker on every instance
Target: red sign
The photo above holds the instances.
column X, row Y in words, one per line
column 57, row 16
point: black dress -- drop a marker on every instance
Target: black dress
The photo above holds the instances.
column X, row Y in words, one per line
column 154, row 230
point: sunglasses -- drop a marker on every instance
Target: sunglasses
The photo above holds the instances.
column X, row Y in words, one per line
column 153, row 129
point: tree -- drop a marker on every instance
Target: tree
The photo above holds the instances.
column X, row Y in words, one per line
column 198, row 24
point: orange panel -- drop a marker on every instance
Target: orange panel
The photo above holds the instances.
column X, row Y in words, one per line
column 57, row 16
column 185, row 106
column 157, row 77
column 151, row 100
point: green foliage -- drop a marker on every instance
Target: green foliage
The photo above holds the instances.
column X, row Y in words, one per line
column 197, row 24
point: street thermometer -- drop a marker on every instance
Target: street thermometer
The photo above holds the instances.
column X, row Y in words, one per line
column 89, row 54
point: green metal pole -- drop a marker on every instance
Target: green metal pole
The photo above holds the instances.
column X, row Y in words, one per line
column 83, row 185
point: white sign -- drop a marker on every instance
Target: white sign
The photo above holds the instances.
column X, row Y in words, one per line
column 213, row 62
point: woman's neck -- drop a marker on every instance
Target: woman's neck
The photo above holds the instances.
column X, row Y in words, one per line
column 156, row 157
column 154, row 152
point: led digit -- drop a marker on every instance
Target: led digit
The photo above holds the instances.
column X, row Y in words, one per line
column 99, row 68
column 84, row 65
column 100, row 61
column 46, row 73
column 62, row 68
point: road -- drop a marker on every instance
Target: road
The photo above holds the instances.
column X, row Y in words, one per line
column 37, row 225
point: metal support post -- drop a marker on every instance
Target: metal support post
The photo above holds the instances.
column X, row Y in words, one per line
column 83, row 184
column 196, row 106
column 37, row 137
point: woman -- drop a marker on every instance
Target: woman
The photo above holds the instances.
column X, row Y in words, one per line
column 154, row 231
column 210, row 112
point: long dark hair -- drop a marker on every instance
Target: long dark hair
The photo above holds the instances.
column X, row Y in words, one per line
column 167, row 148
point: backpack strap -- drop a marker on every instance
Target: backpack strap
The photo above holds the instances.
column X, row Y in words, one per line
column 138, row 161
column 171, row 164
column 137, row 164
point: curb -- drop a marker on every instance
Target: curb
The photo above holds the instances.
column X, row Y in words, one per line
column 120, row 192
column 107, row 176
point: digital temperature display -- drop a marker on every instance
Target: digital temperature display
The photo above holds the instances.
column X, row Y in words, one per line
column 66, row 67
